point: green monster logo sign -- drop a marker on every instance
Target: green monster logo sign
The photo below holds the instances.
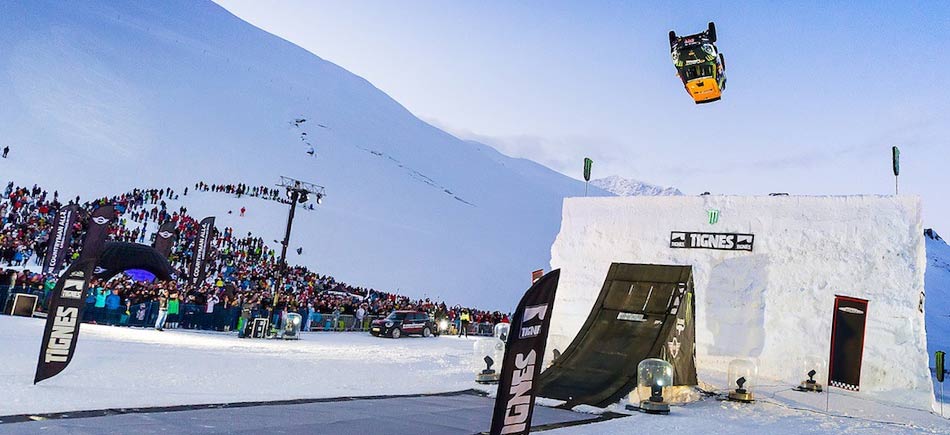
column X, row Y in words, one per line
column 713, row 216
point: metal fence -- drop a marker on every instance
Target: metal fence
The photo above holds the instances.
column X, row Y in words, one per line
column 193, row 316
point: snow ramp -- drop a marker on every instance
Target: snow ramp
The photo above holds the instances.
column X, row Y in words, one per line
column 643, row 311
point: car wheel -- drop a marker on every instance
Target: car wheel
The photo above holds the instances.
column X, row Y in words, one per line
column 426, row 332
column 711, row 32
column 396, row 333
column 672, row 39
column 722, row 60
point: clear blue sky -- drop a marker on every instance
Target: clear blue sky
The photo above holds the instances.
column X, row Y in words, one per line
column 818, row 91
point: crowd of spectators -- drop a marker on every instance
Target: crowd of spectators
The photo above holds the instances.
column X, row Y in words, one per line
column 244, row 275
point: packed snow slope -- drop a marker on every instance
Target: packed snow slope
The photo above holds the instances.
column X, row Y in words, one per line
column 628, row 187
column 101, row 96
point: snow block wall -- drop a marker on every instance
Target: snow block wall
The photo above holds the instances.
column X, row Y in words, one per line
column 773, row 304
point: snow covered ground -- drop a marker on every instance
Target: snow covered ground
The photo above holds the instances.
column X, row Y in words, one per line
column 130, row 367
column 123, row 367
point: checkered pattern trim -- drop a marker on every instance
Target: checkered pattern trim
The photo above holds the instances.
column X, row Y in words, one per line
column 844, row 386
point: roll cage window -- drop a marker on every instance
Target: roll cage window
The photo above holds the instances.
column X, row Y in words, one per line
column 698, row 71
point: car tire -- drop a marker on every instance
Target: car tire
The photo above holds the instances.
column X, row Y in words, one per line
column 711, row 32
column 672, row 38
column 396, row 333
column 722, row 60
column 426, row 332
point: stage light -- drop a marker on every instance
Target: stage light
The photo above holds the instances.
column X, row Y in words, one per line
column 291, row 329
column 653, row 375
column 501, row 331
column 811, row 366
column 744, row 372
column 487, row 351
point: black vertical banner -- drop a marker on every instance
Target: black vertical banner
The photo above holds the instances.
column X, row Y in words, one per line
column 60, row 238
column 201, row 250
column 847, row 343
column 165, row 239
column 68, row 300
column 514, row 404
column 97, row 231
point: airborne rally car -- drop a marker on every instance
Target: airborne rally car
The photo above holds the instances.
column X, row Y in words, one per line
column 400, row 323
column 699, row 64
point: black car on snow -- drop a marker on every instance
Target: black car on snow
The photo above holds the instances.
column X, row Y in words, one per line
column 400, row 323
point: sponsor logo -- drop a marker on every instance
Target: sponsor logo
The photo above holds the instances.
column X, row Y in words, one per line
column 73, row 288
column 519, row 396
column 100, row 220
column 674, row 347
column 713, row 216
column 61, row 338
column 850, row 310
column 680, row 326
column 165, row 234
column 631, row 317
column 718, row 241
column 532, row 314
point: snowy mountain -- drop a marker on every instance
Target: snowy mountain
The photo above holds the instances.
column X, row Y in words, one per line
column 100, row 97
column 628, row 187
column 938, row 294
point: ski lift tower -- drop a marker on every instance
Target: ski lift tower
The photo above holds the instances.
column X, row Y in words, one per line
column 297, row 192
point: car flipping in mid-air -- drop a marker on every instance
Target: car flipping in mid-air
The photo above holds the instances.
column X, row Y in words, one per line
column 699, row 64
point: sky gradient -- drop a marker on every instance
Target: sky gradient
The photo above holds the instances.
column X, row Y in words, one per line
column 817, row 92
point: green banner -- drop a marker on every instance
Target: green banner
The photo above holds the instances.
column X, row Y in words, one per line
column 896, row 153
column 941, row 367
column 587, row 165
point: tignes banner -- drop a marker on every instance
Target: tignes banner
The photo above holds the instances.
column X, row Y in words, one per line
column 68, row 300
column 201, row 251
column 165, row 239
column 514, row 404
column 59, row 238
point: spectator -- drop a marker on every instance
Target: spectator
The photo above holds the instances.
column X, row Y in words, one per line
column 112, row 307
column 162, row 300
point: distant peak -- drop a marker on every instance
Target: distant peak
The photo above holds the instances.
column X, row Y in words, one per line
column 628, row 187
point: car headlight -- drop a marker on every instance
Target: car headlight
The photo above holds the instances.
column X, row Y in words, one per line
column 389, row 324
column 296, row 320
column 443, row 325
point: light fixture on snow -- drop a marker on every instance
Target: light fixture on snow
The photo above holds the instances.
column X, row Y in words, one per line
column 487, row 376
column 742, row 374
column 487, row 352
column 501, row 331
column 291, row 329
column 654, row 375
column 811, row 367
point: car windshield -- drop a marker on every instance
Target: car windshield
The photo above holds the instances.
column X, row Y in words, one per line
column 396, row 316
column 702, row 70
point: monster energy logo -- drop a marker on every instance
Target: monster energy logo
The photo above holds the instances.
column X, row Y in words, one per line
column 713, row 216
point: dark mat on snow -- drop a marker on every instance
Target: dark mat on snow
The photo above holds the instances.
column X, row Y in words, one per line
column 463, row 413
column 643, row 311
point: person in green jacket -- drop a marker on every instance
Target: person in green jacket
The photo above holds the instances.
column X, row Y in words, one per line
column 173, row 310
